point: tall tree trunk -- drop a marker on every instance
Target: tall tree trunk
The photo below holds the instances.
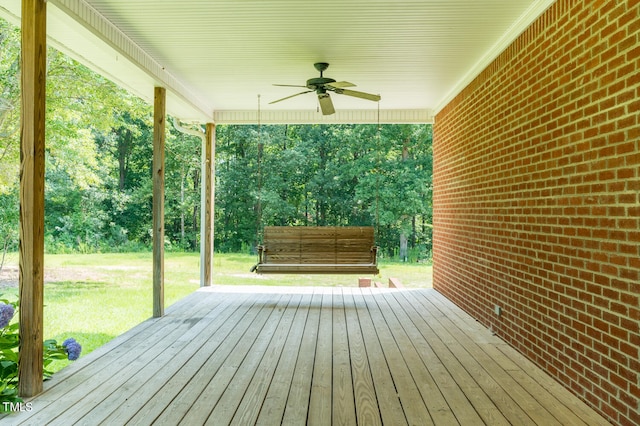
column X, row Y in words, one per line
column 196, row 208
column 124, row 144
column 404, row 252
column 5, row 249
column 404, row 240
column 413, row 232
column 306, row 207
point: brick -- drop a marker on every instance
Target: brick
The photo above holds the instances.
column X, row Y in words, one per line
column 537, row 204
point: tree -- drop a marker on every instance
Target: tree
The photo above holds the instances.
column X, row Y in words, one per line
column 9, row 106
column 406, row 180
column 325, row 175
column 8, row 219
column 99, row 183
column 182, row 189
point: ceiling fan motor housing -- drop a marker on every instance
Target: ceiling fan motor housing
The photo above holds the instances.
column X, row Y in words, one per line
column 318, row 82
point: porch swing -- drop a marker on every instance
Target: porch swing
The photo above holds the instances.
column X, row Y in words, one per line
column 316, row 249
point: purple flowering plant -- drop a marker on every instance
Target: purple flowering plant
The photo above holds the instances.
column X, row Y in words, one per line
column 9, row 347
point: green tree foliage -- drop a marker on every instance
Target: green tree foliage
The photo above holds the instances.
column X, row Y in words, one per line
column 98, row 190
column 325, row 175
column 9, row 105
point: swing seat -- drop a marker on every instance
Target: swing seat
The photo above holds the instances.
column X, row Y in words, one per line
column 317, row 250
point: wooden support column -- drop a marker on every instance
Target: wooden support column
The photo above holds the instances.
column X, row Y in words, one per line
column 32, row 142
column 208, row 181
column 159, row 123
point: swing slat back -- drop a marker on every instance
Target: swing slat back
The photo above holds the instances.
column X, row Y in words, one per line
column 318, row 250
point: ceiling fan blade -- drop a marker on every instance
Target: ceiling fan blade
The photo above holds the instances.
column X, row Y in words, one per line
column 288, row 85
column 326, row 105
column 357, row 94
column 340, row 84
column 301, row 93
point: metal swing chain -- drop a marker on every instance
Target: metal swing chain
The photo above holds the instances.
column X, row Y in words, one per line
column 377, row 214
column 259, row 206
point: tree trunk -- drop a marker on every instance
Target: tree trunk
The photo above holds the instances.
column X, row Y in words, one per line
column 5, row 248
column 124, row 143
column 413, row 232
column 196, row 210
column 404, row 240
column 404, row 252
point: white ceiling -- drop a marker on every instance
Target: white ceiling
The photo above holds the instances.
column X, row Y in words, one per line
column 216, row 56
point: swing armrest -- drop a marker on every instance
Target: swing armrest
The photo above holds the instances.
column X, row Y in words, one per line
column 374, row 255
column 262, row 250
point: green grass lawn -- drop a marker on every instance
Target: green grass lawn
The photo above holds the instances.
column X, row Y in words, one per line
column 96, row 297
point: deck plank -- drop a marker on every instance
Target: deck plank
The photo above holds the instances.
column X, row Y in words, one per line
column 344, row 412
column 164, row 386
column 413, row 405
column 492, row 365
column 501, row 391
column 248, row 355
column 407, row 339
column 453, row 394
column 444, row 348
column 92, row 384
column 275, row 401
column 388, row 401
column 320, row 400
column 249, row 408
column 225, row 390
column 366, row 404
column 190, row 401
column 144, row 384
column 297, row 405
column 555, row 400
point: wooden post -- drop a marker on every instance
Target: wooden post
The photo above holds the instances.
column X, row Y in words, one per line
column 208, row 180
column 159, row 122
column 32, row 143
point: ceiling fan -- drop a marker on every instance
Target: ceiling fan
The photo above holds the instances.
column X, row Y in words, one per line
column 322, row 85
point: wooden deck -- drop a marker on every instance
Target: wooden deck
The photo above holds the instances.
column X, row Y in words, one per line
column 269, row 356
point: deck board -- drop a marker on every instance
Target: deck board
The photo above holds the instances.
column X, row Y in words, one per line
column 413, row 405
column 249, row 408
column 364, row 395
column 343, row 412
column 426, row 386
column 320, row 400
column 224, row 391
column 297, row 405
column 275, row 401
column 388, row 399
column 352, row 356
column 165, row 386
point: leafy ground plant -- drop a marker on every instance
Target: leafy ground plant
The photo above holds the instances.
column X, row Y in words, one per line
column 9, row 354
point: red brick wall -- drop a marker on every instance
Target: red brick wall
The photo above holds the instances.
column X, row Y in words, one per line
column 537, row 199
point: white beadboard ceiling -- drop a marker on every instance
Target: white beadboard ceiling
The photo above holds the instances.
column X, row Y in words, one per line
column 216, row 57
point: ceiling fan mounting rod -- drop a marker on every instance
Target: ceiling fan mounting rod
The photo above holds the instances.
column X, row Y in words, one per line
column 321, row 66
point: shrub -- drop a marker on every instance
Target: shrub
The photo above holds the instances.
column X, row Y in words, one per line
column 9, row 346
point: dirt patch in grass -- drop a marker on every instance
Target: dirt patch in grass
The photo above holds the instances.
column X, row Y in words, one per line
column 10, row 274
